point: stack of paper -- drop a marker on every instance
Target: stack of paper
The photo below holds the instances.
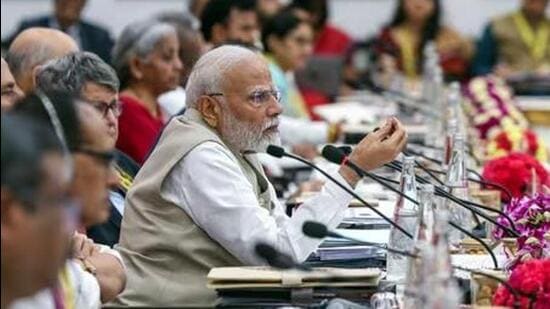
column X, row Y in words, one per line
column 263, row 277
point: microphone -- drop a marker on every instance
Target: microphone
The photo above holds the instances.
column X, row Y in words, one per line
column 333, row 154
column 483, row 181
column 279, row 152
column 403, row 99
column 441, row 192
column 468, row 150
column 396, row 165
column 318, row 230
column 411, row 152
column 277, row 259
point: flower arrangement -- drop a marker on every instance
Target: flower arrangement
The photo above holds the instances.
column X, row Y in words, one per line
column 516, row 173
column 514, row 138
column 531, row 216
column 531, row 278
column 489, row 105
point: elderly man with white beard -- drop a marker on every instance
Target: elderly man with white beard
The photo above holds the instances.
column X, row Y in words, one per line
column 202, row 200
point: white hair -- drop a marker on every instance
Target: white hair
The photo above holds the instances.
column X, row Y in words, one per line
column 208, row 74
column 138, row 39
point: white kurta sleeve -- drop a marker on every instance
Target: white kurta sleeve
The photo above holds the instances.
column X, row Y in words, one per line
column 210, row 187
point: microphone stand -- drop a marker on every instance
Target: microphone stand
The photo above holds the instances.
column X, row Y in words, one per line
column 279, row 152
column 441, row 192
column 320, row 228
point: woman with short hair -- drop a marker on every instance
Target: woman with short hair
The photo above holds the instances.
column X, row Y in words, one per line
column 147, row 63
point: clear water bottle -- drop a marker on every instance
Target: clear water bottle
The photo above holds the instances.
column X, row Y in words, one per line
column 452, row 130
column 440, row 290
column 436, row 127
column 406, row 215
column 457, row 184
column 422, row 238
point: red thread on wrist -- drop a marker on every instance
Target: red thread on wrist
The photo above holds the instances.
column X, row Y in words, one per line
column 344, row 161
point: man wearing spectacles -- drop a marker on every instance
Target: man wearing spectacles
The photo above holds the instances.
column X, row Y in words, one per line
column 83, row 132
column 35, row 187
column 201, row 200
column 89, row 78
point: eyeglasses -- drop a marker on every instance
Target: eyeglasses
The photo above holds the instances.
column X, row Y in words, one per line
column 258, row 97
column 106, row 157
column 104, row 109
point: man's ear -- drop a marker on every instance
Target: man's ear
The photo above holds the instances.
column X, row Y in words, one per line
column 210, row 111
column 9, row 213
column 35, row 71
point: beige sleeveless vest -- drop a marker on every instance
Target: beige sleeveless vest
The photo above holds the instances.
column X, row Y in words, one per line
column 167, row 255
column 511, row 48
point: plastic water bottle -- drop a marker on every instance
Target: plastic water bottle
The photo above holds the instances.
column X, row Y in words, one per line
column 457, row 184
column 406, row 215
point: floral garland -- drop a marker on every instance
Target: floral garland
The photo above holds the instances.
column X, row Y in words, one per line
column 514, row 138
column 531, row 278
column 489, row 105
column 531, row 216
column 515, row 172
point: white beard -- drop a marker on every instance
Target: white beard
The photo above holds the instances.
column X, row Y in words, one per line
column 242, row 136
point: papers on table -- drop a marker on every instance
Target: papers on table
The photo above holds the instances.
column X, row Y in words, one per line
column 262, row 277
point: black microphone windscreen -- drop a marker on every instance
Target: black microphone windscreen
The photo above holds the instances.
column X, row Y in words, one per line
column 314, row 229
column 346, row 150
column 333, row 154
column 276, row 151
column 273, row 257
column 265, row 251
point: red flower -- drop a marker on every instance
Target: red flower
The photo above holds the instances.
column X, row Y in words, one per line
column 532, row 143
column 514, row 172
column 503, row 141
column 532, row 278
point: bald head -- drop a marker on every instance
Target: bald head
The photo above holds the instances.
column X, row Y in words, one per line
column 34, row 47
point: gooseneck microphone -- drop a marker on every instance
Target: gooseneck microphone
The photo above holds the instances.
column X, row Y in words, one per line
column 277, row 259
column 279, row 152
column 335, row 155
column 464, row 203
column 318, row 230
column 410, row 152
column 403, row 99
column 481, row 181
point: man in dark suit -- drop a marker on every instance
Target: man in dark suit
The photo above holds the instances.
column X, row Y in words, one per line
column 66, row 17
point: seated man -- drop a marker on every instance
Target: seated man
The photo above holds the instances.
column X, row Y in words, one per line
column 201, row 200
column 516, row 43
column 35, row 189
column 86, row 76
column 32, row 48
column 10, row 91
column 66, row 17
column 95, row 273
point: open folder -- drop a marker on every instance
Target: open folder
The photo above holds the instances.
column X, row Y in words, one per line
column 268, row 277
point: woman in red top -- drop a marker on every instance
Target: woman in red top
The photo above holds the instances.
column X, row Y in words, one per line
column 146, row 60
column 415, row 23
